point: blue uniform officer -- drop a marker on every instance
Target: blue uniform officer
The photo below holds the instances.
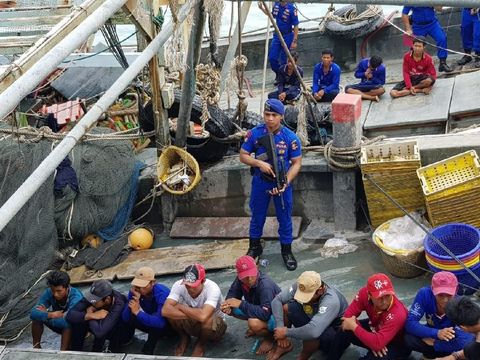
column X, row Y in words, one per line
column 286, row 16
column 288, row 148
column 471, row 35
column 424, row 22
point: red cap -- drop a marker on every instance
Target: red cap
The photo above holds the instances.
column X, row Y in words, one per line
column 444, row 282
column 193, row 275
column 246, row 267
column 379, row 285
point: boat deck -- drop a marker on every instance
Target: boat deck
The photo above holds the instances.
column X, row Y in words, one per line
column 348, row 273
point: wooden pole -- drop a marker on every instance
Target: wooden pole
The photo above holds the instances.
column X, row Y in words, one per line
column 188, row 85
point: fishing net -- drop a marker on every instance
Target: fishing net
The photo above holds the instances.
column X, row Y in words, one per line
column 28, row 243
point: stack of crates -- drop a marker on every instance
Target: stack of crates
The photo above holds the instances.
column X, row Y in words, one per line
column 452, row 189
column 393, row 167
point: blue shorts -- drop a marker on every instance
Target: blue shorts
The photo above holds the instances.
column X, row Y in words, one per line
column 270, row 323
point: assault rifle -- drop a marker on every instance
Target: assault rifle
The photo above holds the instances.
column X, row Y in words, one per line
column 268, row 142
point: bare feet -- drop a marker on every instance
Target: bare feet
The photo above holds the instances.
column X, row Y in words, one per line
column 376, row 99
column 278, row 352
column 265, row 347
column 198, row 350
column 182, row 345
column 427, row 91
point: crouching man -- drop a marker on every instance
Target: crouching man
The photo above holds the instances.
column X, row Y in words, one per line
column 100, row 313
column 465, row 314
column 309, row 310
column 249, row 298
column 382, row 332
column 144, row 309
column 52, row 307
column 193, row 309
column 438, row 337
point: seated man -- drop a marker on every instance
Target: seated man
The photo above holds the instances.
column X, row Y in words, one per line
column 419, row 73
column 372, row 74
column 257, row 291
column 438, row 337
column 314, row 309
column 382, row 332
column 287, row 81
column 100, row 313
column 51, row 308
column 193, row 309
column 326, row 78
column 146, row 299
column 465, row 314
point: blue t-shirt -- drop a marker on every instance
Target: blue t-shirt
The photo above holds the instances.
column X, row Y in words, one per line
column 151, row 314
column 421, row 15
column 286, row 141
column 329, row 82
column 426, row 305
column 286, row 17
column 378, row 75
column 49, row 302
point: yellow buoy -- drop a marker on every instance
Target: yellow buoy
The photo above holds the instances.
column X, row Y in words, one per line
column 141, row 239
column 92, row 240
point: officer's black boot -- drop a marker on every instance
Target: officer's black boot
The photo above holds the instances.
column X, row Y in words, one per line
column 443, row 67
column 476, row 64
column 288, row 257
column 255, row 248
column 465, row 58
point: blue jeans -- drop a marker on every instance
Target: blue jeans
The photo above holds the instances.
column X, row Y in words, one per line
column 276, row 54
column 435, row 30
column 270, row 322
column 259, row 201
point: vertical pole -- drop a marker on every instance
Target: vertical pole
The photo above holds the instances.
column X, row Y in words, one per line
column 359, row 8
column 347, row 132
column 188, row 85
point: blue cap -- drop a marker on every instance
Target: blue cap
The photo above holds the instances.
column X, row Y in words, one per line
column 274, row 105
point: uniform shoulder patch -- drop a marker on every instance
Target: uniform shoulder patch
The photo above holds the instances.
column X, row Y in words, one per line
column 248, row 135
column 294, row 145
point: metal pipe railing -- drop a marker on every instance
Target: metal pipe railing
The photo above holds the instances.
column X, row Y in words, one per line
column 453, row 3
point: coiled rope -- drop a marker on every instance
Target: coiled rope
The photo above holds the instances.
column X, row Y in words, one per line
column 343, row 158
column 33, row 135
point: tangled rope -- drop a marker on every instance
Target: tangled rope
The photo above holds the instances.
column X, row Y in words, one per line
column 175, row 53
column 237, row 68
column 350, row 17
column 302, row 131
column 214, row 9
column 343, row 158
column 208, row 87
column 33, row 135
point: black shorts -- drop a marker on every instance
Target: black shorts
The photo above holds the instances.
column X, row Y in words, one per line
column 363, row 87
column 415, row 80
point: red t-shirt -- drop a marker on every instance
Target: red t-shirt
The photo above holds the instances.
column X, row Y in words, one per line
column 385, row 326
column 423, row 67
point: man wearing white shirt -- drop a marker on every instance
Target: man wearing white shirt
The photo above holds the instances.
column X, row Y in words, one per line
column 193, row 309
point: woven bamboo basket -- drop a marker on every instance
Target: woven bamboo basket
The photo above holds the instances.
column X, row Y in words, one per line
column 173, row 155
column 400, row 263
column 394, row 168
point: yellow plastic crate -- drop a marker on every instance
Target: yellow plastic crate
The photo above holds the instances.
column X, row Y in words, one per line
column 394, row 168
column 452, row 189
column 451, row 176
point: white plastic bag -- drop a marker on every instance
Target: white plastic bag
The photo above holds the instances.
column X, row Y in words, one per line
column 335, row 246
column 403, row 233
